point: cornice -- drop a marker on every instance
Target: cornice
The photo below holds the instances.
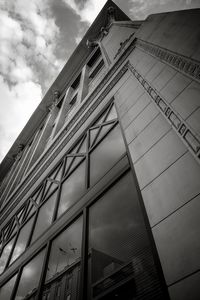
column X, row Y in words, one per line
column 186, row 65
column 187, row 135
column 67, row 133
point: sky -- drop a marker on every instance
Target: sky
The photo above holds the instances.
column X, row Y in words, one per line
column 37, row 37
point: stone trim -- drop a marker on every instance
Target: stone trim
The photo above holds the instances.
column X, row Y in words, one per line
column 186, row 65
column 62, row 139
column 186, row 134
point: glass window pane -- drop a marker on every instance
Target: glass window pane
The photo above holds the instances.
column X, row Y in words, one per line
column 116, row 231
column 106, row 154
column 22, row 240
column 5, row 255
column 30, row 276
column 72, row 188
column 44, row 218
column 66, row 249
column 6, row 290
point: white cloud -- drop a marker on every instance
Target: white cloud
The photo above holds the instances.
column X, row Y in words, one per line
column 17, row 105
column 28, row 38
column 87, row 11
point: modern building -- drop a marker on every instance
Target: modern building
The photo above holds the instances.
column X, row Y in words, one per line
column 100, row 193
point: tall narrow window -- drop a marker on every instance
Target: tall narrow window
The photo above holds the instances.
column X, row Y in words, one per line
column 119, row 248
column 65, row 250
column 7, row 289
column 30, row 277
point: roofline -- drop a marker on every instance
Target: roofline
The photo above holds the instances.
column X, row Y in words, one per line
column 62, row 81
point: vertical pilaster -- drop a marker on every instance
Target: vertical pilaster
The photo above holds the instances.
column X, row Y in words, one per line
column 83, row 87
column 46, row 131
column 104, row 53
column 60, row 120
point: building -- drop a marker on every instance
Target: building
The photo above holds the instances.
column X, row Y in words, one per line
column 100, row 191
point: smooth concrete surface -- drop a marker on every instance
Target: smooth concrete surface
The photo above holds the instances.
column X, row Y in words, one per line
column 178, row 243
column 187, row 289
column 175, row 86
column 172, row 189
column 177, row 31
column 117, row 35
column 160, row 157
column 187, row 101
column 148, row 137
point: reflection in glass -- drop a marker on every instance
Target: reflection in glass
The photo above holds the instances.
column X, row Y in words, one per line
column 106, row 154
column 66, row 249
column 72, row 188
column 30, row 276
column 112, row 114
column 6, row 290
column 5, row 255
column 115, row 230
column 22, row 240
column 44, row 218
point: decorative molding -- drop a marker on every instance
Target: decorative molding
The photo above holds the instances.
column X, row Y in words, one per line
column 180, row 126
column 188, row 66
column 62, row 139
column 123, row 45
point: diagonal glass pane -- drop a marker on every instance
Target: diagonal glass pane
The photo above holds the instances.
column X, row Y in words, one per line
column 30, row 276
column 37, row 196
column 76, row 161
column 5, row 255
column 30, row 210
column 104, row 130
column 106, row 154
column 56, row 175
column 45, row 216
column 66, row 249
column 6, row 289
column 93, row 134
column 72, row 189
column 68, row 163
column 83, row 146
column 112, row 114
column 22, row 240
column 50, row 187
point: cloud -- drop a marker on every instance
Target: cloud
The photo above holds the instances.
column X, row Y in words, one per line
column 140, row 9
column 87, row 10
column 28, row 62
column 20, row 102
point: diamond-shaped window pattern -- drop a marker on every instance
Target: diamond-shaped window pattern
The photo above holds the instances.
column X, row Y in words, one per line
column 80, row 155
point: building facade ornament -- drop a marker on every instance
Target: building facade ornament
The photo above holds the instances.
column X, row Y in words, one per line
column 55, row 148
column 178, row 124
column 188, row 66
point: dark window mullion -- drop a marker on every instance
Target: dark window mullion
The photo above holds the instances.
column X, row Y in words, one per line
column 16, row 283
column 33, row 227
column 11, row 252
column 87, row 164
column 59, row 191
column 84, row 257
column 111, row 128
column 43, row 272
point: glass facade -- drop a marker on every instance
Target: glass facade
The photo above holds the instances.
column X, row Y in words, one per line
column 104, row 247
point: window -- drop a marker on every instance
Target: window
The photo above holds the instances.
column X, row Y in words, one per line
column 118, row 242
column 65, row 250
column 6, row 289
column 22, row 240
column 30, row 276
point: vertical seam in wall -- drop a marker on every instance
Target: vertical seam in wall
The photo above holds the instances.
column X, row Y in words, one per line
column 177, row 209
column 182, row 91
column 163, row 170
column 180, row 127
column 145, row 126
column 132, row 104
column 152, row 145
